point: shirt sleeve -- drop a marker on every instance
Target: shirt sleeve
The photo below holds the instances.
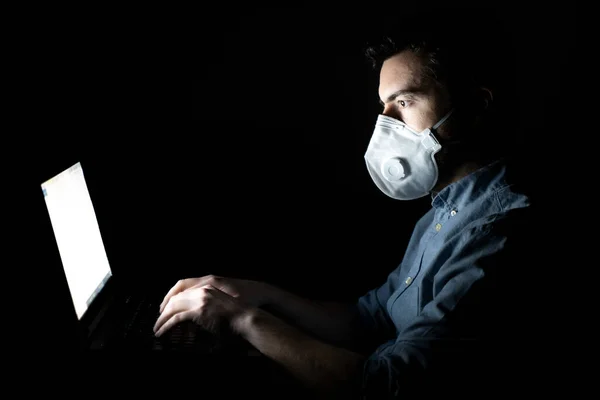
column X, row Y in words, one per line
column 372, row 309
column 372, row 306
column 450, row 327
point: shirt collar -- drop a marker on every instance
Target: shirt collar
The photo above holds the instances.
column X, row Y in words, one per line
column 459, row 194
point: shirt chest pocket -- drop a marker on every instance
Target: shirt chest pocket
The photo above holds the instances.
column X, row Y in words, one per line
column 404, row 307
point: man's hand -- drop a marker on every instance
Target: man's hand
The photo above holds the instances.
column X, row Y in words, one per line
column 206, row 305
column 252, row 293
column 334, row 323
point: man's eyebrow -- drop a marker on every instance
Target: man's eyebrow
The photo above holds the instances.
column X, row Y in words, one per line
column 401, row 92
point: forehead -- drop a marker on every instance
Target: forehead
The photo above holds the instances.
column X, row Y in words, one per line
column 401, row 71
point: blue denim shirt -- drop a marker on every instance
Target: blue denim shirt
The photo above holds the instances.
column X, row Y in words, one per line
column 454, row 246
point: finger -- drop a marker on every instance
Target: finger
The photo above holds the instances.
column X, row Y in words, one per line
column 174, row 320
column 178, row 288
column 176, row 305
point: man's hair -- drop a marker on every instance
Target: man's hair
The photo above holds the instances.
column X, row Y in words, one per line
column 463, row 49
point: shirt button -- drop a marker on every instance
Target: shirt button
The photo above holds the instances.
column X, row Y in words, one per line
column 453, row 213
column 408, row 280
column 438, row 227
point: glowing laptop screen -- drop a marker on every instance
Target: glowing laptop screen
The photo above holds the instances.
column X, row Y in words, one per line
column 77, row 235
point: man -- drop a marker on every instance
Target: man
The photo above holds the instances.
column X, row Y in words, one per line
column 440, row 313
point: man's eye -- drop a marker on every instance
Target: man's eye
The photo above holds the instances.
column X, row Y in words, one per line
column 402, row 103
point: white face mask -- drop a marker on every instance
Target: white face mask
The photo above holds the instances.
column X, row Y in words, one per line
column 401, row 161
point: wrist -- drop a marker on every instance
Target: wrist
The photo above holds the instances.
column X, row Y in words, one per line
column 242, row 322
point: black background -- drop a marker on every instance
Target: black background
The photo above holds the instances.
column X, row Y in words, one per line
column 263, row 177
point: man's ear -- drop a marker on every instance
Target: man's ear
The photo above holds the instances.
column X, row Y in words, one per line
column 485, row 99
column 481, row 103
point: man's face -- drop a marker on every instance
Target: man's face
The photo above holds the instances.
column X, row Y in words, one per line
column 409, row 95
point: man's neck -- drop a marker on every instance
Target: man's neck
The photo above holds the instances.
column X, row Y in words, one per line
column 457, row 174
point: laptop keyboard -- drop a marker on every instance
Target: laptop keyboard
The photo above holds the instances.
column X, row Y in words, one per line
column 186, row 336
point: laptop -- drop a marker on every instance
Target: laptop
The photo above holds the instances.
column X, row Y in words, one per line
column 110, row 312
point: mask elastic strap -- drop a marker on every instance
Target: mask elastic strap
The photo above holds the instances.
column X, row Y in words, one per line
column 441, row 121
